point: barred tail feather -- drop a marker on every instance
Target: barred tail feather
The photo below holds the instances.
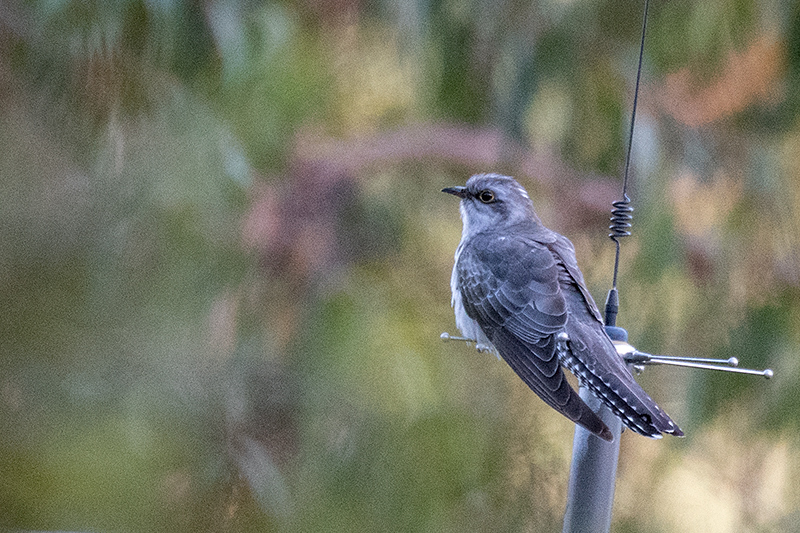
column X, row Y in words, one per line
column 609, row 379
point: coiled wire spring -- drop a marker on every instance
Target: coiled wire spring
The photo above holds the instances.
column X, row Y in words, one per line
column 621, row 217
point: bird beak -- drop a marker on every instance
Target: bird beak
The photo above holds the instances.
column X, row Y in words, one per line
column 461, row 192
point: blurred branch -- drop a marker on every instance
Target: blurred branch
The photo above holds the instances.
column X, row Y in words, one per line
column 479, row 149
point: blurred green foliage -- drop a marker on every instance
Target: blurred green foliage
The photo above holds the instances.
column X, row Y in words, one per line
column 224, row 261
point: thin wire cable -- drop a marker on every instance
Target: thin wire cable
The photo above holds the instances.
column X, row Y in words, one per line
column 623, row 208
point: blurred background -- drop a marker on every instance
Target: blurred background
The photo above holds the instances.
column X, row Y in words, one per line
column 225, row 259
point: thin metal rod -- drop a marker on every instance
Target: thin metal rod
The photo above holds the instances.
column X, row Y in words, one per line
column 483, row 348
column 635, row 100
column 447, row 337
column 639, row 359
column 767, row 373
column 630, row 134
column 731, row 361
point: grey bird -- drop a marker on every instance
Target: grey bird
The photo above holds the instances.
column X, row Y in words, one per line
column 516, row 286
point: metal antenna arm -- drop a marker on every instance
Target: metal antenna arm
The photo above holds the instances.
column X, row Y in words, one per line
column 446, row 337
column 639, row 360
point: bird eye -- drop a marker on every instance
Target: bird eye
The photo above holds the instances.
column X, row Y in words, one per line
column 486, row 196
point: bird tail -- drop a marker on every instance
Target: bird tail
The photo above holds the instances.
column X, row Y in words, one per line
column 608, row 377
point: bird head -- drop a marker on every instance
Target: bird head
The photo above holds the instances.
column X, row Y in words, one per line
column 491, row 201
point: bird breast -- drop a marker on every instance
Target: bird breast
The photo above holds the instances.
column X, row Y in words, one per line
column 468, row 327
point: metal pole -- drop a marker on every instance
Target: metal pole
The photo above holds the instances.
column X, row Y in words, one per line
column 593, row 472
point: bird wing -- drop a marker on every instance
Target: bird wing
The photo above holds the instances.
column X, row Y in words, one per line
column 593, row 358
column 565, row 253
column 510, row 287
